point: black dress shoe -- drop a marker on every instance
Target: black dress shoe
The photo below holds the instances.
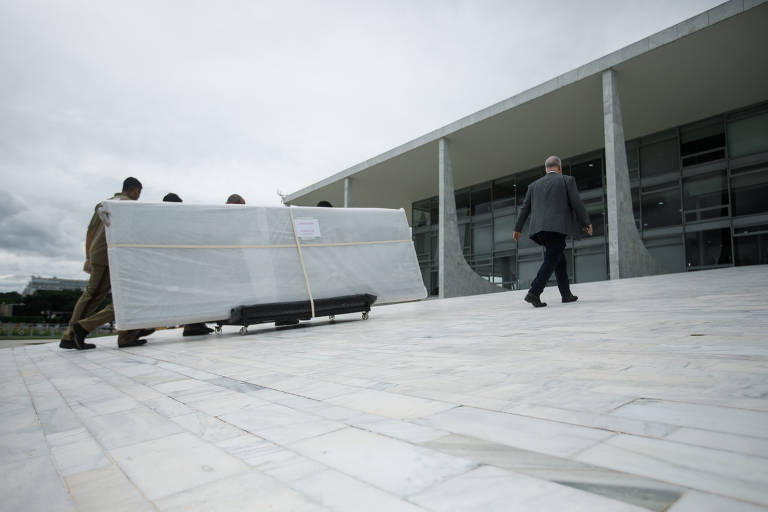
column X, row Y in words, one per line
column 79, row 339
column 570, row 298
column 196, row 330
column 534, row 299
column 132, row 343
column 66, row 344
column 144, row 332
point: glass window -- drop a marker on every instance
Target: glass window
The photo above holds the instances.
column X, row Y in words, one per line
column 633, row 162
column 669, row 252
column 749, row 191
column 659, row 158
column 751, row 245
column 705, row 197
column 481, row 199
column 590, row 265
column 523, row 180
column 434, row 210
column 708, row 248
column 504, row 193
column 421, row 241
column 748, row 136
column 636, row 206
column 596, row 215
column 588, row 175
column 529, row 266
column 702, row 143
column 482, row 239
column 421, row 211
column 462, row 203
column 465, row 238
column 661, row 208
column 503, row 228
column 505, row 271
column 483, row 268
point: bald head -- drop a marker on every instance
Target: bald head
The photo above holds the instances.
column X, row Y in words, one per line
column 553, row 163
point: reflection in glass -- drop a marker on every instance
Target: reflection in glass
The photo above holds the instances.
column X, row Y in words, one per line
column 708, row 248
column 702, row 143
column 590, row 265
column 481, row 199
column 751, row 245
column 706, row 197
column 659, row 158
column 749, row 189
column 661, row 208
column 588, row 175
column 462, row 203
column 421, row 211
column 669, row 252
column 748, row 136
column 482, row 240
column 503, row 228
column 504, row 193
column 504, row 271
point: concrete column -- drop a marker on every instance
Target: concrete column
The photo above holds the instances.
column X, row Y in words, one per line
column 456, row 278
column 347, row 193
column 627, row 255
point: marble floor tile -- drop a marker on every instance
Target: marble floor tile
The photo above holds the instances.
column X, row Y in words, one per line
column 79, row 456
column 249, row 491
column 395, row 466
column 207, row 427
column 105, row 488
column 130, row 427
column 167, row 406
column 402, row 430
column 226, row 402
column 280, row 424
column 288, row 466
column 67, row 437
column 492, row 489
column 342, row 493
column 175, row 463
column 721, row 419
column 550, row 437
column 594, row 420
column 755, row 446
column 694, row 501
column 725, row 473
column 22, row 444
column 390, row 405
column 254, row 450
column 32, row 485
column 59, row 419
column 635, row 490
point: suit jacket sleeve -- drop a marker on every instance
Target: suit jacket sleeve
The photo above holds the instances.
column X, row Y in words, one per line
column 525, row 211
column 577, row 204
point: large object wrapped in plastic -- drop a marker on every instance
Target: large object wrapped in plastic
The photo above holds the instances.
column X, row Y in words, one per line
column 173, row 264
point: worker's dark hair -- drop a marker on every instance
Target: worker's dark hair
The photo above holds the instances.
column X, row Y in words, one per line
column 171, row 198
column 235, row 199
column 130, row 184
column 325, row 204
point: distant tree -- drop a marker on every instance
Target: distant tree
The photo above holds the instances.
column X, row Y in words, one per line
column 49, row 303
column 10, row 298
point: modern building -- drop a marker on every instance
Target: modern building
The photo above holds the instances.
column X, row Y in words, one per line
column 37, row 283
column 667, row 139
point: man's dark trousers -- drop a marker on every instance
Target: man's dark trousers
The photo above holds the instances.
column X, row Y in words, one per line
column 554, row 261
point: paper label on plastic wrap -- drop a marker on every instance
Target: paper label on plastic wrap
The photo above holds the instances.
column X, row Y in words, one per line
column 307, row 228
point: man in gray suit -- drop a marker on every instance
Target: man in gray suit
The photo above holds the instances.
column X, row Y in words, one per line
column 556, row 211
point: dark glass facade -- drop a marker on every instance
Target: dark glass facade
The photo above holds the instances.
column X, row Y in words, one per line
column 700, row 199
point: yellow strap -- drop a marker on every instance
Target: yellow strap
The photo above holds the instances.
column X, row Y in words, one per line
column 301, row 260
column 264, row 246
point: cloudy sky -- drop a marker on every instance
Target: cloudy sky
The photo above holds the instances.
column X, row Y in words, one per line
column 207, row 98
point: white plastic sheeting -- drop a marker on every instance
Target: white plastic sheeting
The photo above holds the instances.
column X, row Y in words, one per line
column 173, row 264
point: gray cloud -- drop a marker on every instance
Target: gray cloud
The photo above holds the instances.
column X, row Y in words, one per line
column 207, row 99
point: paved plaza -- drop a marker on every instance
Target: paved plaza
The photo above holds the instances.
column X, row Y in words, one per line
column 647, row 394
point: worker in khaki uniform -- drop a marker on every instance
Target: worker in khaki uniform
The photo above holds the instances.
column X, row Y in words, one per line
column 85, row 317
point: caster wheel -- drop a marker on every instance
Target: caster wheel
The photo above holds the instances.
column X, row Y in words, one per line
column 332, row 318
column 243, row 331
column 365, row 315
column 217, row 329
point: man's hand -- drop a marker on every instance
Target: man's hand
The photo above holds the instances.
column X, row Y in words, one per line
column 516, row 235
column 589, row 230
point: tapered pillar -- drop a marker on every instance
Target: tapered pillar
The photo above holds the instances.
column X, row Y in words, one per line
column 456, row 278
column 627, row 255
column 347, row 193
